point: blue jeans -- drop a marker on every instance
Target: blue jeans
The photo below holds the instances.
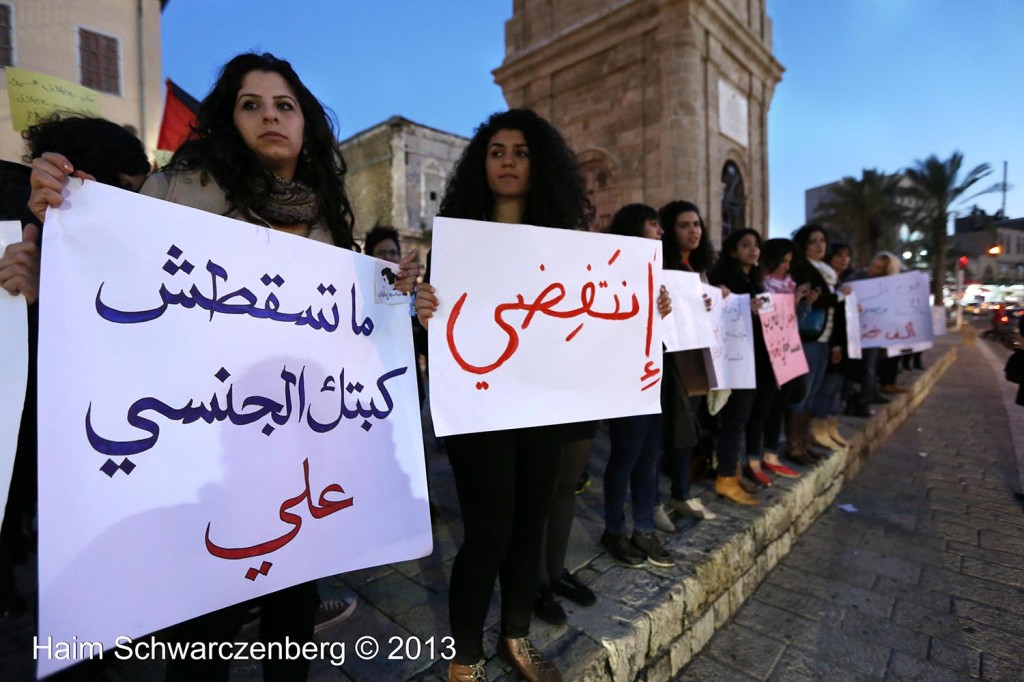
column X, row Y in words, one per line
column 632, row 463
column 826, row 403
column 817, row 362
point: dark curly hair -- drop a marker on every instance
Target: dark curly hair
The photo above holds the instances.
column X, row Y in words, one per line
column 702, row 258
column 97, row 146
column 378, row 234
column 557, row 195
column 629, row 220
column 802, row 237
column 216, row 147
column 727, row 259
column 774, row 251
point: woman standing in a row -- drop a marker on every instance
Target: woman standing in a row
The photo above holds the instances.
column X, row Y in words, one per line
column 517, row 169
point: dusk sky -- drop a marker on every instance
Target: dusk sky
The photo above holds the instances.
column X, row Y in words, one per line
column 868, row 83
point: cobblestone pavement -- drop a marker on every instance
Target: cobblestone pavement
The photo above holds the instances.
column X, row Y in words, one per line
column 930, row 557
column 924, row 580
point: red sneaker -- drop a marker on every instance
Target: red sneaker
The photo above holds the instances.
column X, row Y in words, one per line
column 756, row 476
column 781, row 470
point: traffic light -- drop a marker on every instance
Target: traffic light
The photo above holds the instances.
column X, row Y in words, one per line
column 962, row 264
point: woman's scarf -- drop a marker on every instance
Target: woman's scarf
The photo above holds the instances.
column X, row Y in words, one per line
column 289, row 202
column 827, row 273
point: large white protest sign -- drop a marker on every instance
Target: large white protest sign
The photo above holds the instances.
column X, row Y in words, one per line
column 852, row 310
column 732, row 355
column 688, row 326
column 894, row 310
column 224, row 411
column 896, row 351
column 541, row 326
column 13, row 368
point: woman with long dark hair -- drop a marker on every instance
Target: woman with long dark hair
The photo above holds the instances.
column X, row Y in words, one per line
column 738, row 269
column 263, row 151
column 809, row 416
column 776, row 258
column 635, row 445
column 686, row 246
column 516, row 169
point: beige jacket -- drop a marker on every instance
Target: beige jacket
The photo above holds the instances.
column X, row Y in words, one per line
column 188, row 188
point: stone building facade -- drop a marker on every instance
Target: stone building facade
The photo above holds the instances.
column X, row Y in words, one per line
column 59, row 37
column 397, row 172
column 660, row 99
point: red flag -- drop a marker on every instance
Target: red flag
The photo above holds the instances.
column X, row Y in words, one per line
column 179, row 114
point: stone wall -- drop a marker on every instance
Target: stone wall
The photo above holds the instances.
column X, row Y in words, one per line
column 398, row 170
column 634, row 86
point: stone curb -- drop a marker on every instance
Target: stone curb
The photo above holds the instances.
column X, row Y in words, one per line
column 650, row 622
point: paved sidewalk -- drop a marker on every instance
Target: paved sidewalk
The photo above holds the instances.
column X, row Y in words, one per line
column 924, row 581
column 647, row 622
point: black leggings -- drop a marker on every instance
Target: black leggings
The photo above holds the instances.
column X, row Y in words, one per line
column 504, row 481
column 287, row 613
column 563, row 510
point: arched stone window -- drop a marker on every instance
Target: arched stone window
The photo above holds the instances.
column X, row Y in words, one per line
column 734, row 199
column 596, row 167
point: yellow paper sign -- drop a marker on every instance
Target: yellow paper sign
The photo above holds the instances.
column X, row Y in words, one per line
column 37, row 96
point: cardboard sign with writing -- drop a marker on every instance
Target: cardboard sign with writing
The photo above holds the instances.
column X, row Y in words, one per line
column 782, row 337
column 563, row 330
column 225, row 411
column 36, row 96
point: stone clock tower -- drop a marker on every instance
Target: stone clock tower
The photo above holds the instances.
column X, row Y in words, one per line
column 660, row 99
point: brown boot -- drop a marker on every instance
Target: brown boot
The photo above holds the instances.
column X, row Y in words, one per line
column 820, row 435
column 467, row 673
column 521, row 655
column 796, row 448
column 833, row 431
column 803, row 428
column 729, row 487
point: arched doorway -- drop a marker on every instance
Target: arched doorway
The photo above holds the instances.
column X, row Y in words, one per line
column 734, row 199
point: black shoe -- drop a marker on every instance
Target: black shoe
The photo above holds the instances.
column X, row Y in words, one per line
column 621, row 549
column 879, row 400
column 856, row 407
column 650, row 545
column 547, row 609
column 13, row 608
column 571, row 588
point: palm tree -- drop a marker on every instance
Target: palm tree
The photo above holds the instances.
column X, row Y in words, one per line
column 934, row 187
column 869, row 210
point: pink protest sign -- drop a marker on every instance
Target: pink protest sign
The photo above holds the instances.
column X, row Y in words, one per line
column 782, row 337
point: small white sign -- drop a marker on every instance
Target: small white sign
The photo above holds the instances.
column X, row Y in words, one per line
column 733, row 119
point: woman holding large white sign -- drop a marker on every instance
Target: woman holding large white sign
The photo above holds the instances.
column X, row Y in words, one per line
column 263, row 151
column 738, row 269
column 517, row 169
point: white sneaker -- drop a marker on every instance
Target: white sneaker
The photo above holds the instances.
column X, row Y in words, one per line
column 693, row 508
column 661, row 520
